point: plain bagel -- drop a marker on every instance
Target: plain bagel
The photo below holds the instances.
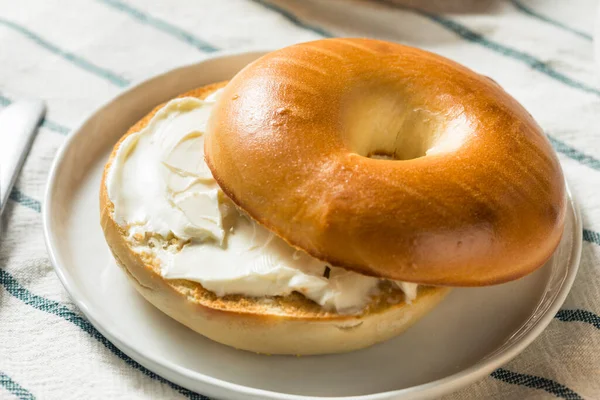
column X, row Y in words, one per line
column 474, row 195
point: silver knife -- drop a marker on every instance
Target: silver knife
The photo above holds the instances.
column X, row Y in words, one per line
column 18, row 125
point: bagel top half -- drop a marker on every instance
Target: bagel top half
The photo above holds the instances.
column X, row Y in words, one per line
column 470, row 193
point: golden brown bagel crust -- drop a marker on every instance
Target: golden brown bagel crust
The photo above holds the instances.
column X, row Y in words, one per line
column 279, row 145
column 274, row 325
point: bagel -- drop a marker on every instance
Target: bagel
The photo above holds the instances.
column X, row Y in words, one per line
column 290, row 324
column 470, row 192
column 328, row 196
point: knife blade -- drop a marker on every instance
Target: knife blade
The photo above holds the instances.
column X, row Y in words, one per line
column 18, row 125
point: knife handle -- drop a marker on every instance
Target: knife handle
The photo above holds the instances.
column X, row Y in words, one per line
column 18, row 124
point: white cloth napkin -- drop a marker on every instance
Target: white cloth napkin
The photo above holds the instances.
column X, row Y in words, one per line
column 77, row 54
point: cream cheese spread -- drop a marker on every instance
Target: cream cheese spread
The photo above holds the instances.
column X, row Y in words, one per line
column 163, row 193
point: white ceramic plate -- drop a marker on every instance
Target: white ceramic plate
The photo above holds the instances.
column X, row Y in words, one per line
column 470, row 334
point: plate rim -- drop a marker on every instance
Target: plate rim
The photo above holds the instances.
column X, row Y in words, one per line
column 175, row 373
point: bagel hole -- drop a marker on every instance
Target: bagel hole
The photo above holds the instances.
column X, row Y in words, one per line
column 381, row 155
column 385, row 126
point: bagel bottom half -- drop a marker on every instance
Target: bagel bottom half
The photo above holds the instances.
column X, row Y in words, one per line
column 272, row 325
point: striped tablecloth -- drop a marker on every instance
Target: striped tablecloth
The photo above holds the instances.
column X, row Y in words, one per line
column 76, row 54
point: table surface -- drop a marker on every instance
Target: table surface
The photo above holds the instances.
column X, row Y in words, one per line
column 77, row 54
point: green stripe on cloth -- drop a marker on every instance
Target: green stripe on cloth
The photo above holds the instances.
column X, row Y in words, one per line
column 532, row 13
column 292, row 18
column 584, row 316
column 591, row 236
column 535, row 382
column 23, row 199
column 13, row 387
column 71, row 57
column 161, row 25
column 55, row 126
column 509, row 52
column 4, row 101
column 574, row 154
column 53, row 307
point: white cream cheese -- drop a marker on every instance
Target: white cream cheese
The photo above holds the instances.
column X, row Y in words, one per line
column 162, row 190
